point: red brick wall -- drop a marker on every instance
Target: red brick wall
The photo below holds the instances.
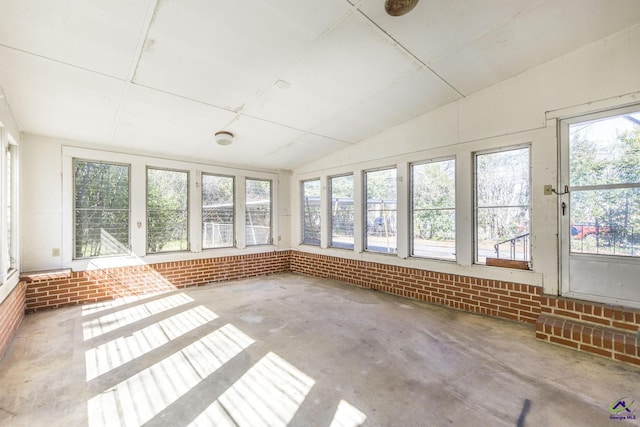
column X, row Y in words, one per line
column 602, row 329
column 53, row 290
column 495, row 298
column 11, row 315
column 596, row 328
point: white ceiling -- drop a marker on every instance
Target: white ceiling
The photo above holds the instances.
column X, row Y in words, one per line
column 292, row 79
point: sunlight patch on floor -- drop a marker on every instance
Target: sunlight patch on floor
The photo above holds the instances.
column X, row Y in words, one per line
column 139, row 398
column 110, row 322
column 105, row 357
column 268, row 394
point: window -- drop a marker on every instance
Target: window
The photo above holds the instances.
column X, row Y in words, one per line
column 258, row 212
column 381, row 210
column 9, row 196
column 167, row 210
column 604, row 177
column 311, row 212
column 502, row 204
column 217, row 211
column 101, row 209
column 341, row 208
column 433, row 213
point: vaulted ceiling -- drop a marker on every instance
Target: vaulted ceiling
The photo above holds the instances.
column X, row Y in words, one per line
column 292, row 79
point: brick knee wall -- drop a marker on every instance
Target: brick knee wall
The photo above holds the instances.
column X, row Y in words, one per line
column 602, row 329
column 11, row 315
column 59, row 289
column 495, row 298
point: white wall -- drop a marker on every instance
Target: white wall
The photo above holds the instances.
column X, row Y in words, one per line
column 523, row 109
column 47, row 199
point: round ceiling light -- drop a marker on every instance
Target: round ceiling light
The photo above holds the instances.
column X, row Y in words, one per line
column 224, row 138
column 399, row 7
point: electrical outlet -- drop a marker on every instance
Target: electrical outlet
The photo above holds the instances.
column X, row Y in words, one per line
column 55, row 252
column 548, row 190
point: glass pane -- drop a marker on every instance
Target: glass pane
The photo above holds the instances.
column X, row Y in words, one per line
column 258, row 212
column 605, row 151
column 433, row 210
column 167, row 210
column 503, row 178
column 342, row 212
column 9, row 256
column 503, row 233
column 502, row 210
column 217, row 211
column 381, row 211
column 606, row 222
column 311, row 212
column 101, row 209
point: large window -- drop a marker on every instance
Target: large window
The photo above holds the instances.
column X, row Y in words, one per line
column 604, row 177
column 258, row 229
column 502, row 207
column 381, row 210
column 311, row 212
column 9, row 194
column 167, row 210
column 101, row 209
column 433, row 209
column 217, row 211
column 341, row 208
column 8, row 175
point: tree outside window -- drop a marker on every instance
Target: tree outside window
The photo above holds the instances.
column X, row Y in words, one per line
column 167, row 210
column 101, row 209
column 433, row 209
column 502, row 204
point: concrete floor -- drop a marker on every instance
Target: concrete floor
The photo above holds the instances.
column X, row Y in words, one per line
column 297, row 350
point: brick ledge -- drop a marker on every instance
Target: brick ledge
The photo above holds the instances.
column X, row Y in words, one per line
column 612, row 343
column 38, row 276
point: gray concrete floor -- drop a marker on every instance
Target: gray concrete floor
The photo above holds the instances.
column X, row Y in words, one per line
column 297, row 350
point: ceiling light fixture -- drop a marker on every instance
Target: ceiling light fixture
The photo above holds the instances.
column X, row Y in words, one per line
column 399, row 7
column 224, row 138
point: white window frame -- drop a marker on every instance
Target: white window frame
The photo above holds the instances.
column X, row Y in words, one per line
column 271, row 211
column 235, row 210
column 411, row 206
column 475, row 197
column 74, row 160
column 9, row 236
column 303, row 237
column 188, row 249
column 365, row 201
column 330, row 209
column 138, row 225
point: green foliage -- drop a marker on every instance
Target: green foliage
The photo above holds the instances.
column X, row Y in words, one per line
column 167, row 210
column 434, row 200
column 599, row 162
column 101, row 208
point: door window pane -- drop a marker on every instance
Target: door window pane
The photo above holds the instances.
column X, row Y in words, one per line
column 604, row 176
column 167, row 210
